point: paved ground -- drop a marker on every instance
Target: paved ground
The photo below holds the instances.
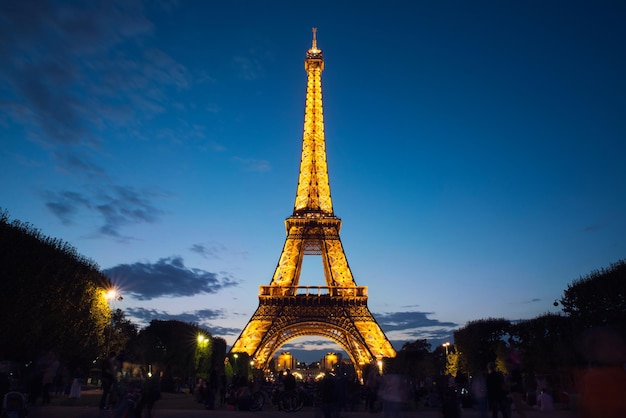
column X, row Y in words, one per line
column 183, row 406
column 93, row 412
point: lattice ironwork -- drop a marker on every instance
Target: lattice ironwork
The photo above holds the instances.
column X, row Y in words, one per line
column 337, row 311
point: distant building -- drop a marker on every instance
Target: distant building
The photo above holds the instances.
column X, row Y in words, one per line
column 285, row 361
column 329, row 361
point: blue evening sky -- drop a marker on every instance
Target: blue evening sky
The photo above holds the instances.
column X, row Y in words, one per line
column 476, row 149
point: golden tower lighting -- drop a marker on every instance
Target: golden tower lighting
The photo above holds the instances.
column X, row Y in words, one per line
column 337, row 311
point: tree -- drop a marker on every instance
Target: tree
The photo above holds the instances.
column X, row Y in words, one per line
column 120, row 331
column 545, row 343
column 52, row 297
column 480, row 342
column 416, row 359
column 453, row 363
column 598, row 299
column 174, row 345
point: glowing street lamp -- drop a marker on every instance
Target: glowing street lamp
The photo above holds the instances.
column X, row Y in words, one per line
column 111, row 295
column 446, row 345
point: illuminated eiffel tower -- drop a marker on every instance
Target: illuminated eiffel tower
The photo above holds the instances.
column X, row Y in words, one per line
column 337, row 311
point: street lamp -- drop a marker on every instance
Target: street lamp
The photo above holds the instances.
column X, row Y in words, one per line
column 446, row 345
column 112, row 295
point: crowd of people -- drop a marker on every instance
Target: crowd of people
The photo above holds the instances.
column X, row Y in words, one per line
column 498, row 392
column 128, row 392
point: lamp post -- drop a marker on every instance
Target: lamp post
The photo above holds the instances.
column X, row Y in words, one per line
column 446, row 345
column 112, row 295
column 203, row 342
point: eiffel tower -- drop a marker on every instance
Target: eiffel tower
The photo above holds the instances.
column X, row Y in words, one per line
column 337, row 311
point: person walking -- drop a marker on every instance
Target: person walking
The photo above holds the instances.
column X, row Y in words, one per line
column 108, row 378
column 496, row 392
column 49, row 376
column 516, row 384
column 77, row 381
column 150, row 393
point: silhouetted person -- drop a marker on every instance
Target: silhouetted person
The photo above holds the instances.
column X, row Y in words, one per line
column 496, row 392
column 5, row 384
column 213, row 388
column 544, row 401
column 372, row 383
column 451, row 404
column 150, row 393
column 516, row 384
column 479, row 393
column 77, row 381
column 108, row 377
column 328, row 396
column 393, row 391
column 51, row 367
column 289, row 381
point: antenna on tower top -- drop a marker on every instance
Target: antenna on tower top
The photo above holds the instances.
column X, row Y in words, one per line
column 314, row 46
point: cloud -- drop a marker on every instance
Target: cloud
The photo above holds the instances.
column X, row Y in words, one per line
column 124, row 206
column 51, row 53
column 248, row 68
column 65, row 204
column 146, row 315
column 251, row 164
column 408, row 326
column 76, row 72
column 201, row 317
column 72, row 161
column 592, row 227
column 77, row 77
column 119, row 206
column 168, row 277
column 205, row 251
column 399, row 327
column 393, row 321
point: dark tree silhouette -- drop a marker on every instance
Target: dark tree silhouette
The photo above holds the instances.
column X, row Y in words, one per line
column 480, row 342
column 174, row 345
column 52, row 297
column 416, row 359
column 120, row 331
column 598, row 299
column 546, row 343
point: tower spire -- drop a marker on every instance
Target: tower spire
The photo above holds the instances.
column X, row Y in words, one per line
column 313, row 193
column 314, row 46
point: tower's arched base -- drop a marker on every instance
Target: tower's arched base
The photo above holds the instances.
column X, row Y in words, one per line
column 339, row 314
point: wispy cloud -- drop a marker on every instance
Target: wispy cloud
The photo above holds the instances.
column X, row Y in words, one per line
column 146, row 315
column 248, row 68
column 168, row 277
column 52, row 60
column 203, row 317
column 208, row 250
column 117, row 207
column 393, row 321
column 251, row 164
column 408, row 326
